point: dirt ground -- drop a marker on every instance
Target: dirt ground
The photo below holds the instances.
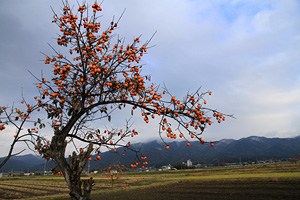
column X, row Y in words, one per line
column 246, row 189
column 33, row 189
column 268, row 182
column 212, row 190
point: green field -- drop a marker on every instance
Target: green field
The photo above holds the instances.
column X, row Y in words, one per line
column 271, row 181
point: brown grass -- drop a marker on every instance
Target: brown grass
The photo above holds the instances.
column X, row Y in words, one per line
column 272, row 181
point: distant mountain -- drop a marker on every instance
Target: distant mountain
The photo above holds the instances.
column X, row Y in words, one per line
column 227, row 150
column 21, row 163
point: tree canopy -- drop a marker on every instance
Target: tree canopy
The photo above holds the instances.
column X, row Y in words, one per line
column 98, row 76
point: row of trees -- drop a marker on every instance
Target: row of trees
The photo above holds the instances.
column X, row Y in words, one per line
column 99, row 75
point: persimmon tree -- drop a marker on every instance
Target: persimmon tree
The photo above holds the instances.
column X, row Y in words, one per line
column 99, row 75
column 114, row 172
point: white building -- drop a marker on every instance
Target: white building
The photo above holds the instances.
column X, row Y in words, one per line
column 166, row 167
column 189, row 163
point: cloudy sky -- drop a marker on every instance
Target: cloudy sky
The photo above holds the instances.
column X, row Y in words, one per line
column 246, row 52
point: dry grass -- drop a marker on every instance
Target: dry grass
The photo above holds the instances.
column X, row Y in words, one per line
column 232, row 179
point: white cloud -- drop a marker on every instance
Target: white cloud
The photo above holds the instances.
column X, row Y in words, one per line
column 246, row 52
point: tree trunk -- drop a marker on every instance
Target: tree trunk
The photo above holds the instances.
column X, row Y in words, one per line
column 72, row 177
column 72, row 170
column 75, row 186
column 87, row 188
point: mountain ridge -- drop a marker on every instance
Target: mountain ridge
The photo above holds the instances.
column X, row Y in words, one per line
column 250, row 149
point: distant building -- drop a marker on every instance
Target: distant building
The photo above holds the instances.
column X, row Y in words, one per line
column 16, row 173
column 29, row 174
column 198, row 166
column 189, row 163
column 114, row 171
column 232, row 164
column 43, row 173
column 166, row 167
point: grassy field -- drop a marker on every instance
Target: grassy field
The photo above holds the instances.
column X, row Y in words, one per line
column 272, row 181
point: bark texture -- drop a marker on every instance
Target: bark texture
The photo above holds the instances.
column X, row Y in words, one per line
column 78, row 189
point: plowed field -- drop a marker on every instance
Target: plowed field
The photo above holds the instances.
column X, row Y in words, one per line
column 257, row 182
column 211, row 190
